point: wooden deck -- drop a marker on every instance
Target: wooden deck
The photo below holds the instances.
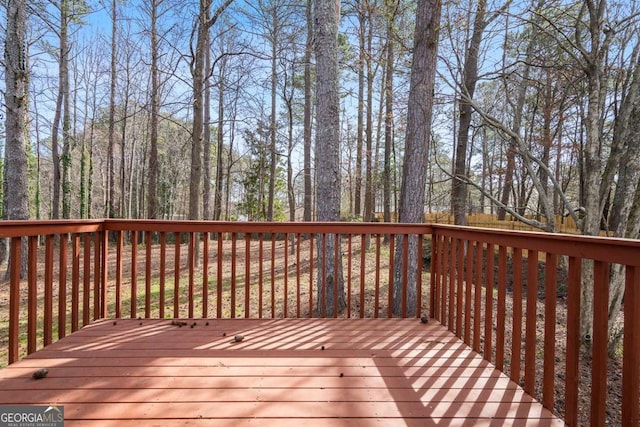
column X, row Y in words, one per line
column 296, row 372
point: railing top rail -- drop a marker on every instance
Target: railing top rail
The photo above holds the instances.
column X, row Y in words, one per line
column 47, row 227
column 266, row 227
column 606, row 249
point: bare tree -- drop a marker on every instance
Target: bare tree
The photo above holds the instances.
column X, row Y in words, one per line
column 414, row 176
column 16, row 98
column 152, row 196
column 111, row 207
column 201, row 28
column 327, row 17
column 308, row 51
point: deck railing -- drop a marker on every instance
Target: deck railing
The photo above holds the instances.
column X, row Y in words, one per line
column 482, row 284
column 522, row 272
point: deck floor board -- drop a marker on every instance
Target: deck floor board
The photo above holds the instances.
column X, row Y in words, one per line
column 285, row 372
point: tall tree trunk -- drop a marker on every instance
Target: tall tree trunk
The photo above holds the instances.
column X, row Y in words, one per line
column 392, row 7
column 66, row 115
column 274, row 40
column 16, row 196
column 361, row 13
column 217, row 205
column 469, row 80
column 124, row 212
column 308, row 50
column 594, row 70
column 369, row 192
column 518, row 108
column 206, row 158
column 419, row 112
column 57, row 157
column 198, row 73
column 111, row 196
column 327, row 16
column 152, row 196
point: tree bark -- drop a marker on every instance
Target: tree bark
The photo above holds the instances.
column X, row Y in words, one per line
column 204, row 25
column 152, row 196
column 111, row 210
column 469, row 80
column 419, row 113
column 308, row 50
column 206, row 157
column 16, row 196
column 388, row 106
column 327, row 14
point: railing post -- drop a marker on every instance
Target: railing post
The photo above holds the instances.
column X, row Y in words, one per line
column 631, row 349
column 32, row 273
column 14, row 298
column 434, row 274
column 102, row 267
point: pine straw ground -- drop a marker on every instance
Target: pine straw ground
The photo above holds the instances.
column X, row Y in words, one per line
column 273, row 276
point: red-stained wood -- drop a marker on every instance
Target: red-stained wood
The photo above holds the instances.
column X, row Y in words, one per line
column 48, row 290
column 337, row 242
column 488, row 304
column 349, row 267
column 247, row 275
column 405, row 272
column 363, row 254
column 516, row 336
column 452, row 283
column 205, row 275
column 371, row 371
column 600, row 343
column 147, row 276
column 273, row 274
column 436, row 277
column 219, row 276
column 285, row 294
column 100, row 263
column 260, row 275
column 176, row 275
column 234, row 251
column 550, row 298
column 14, row 298
column 631, row 349
column 191, row 259
column 531, row 322
column 62, row 287
column 376, row 298
column 118, row 290
column 75, row 282
column 298, row 275
column 134, row 275
column 468, row 287
column 32, row 297
column 419, row 277
column 460, row 277
column 86, row 280
column 573, row 341
column 444, row 285
column 501, row 311
column 390, row 290
column 163, row 272
column 477, row 306
column 449, row 297
column 311, row 263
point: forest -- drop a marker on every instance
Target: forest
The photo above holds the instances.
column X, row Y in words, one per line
column 207, row 110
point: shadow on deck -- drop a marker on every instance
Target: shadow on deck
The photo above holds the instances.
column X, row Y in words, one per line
column 285, row 372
